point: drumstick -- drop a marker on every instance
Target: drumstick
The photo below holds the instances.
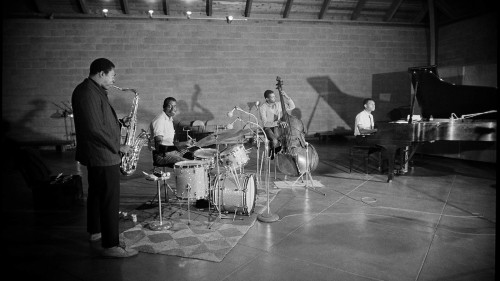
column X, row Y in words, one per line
column 237, row 180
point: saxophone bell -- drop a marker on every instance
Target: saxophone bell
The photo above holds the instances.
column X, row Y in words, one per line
column 129, row 160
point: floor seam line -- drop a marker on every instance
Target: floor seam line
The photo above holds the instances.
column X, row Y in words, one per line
column 435, row 230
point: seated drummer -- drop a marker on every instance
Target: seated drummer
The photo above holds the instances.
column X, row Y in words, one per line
column 166, row 151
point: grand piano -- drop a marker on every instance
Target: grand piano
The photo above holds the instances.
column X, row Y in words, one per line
column 448, row 113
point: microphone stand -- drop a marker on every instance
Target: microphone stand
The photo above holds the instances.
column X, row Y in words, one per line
column 268, row 216
column 258, row 142
column 217, row 185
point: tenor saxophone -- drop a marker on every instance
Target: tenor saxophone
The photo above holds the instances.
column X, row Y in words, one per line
column 129, row 160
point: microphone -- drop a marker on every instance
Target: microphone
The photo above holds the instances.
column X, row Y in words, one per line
column 230, row 113
column 230, row 125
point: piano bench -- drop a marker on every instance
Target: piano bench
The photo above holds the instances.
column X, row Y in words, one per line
column 365, row 151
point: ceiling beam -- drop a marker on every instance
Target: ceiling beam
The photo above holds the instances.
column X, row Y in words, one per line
column 357, row 10
column 166, row 7
column 392, row 10
column 83, row 6
column 432, row 32
column 445, row 9
column 248, row 8
column 125, row 7
column 421, row 15
column 209, row 8
column 288, row 7
column 324, row 8
column 43, row 7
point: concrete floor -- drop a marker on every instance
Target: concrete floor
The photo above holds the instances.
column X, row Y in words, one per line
column 437, row 222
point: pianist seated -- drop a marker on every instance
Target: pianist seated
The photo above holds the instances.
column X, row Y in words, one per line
column 364, row 123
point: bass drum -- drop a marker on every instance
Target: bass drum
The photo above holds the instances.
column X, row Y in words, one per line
column 236, row 194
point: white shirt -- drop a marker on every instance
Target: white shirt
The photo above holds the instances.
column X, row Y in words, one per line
column 364, row 120
column 162, row 125
column 271, row 113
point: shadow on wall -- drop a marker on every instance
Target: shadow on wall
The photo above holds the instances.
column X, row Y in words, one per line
column 389, row 91
column 24, row 129
column 190, row 113
column 346, row 106
column 186, row 113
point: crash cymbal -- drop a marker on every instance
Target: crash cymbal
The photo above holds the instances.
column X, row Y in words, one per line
column 223, row 137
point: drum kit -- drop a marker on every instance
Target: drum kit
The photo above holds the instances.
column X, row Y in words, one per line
column 217, row 174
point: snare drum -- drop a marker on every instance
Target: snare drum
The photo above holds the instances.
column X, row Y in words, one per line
column 234, row 157
column 191, row 179
column 207, row 155
column 235, row 195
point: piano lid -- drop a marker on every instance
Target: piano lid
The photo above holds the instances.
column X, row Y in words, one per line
column 440, row 99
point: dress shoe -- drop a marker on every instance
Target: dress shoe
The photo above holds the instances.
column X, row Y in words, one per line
column 119, row 252
column 95, row 237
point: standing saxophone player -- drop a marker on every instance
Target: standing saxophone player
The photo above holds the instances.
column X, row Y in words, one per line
column 98, row 147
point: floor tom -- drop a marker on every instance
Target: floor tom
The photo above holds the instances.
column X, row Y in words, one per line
column 191, row 179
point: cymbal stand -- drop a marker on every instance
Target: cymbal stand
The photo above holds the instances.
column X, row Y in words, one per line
column 307, row 173
column 67, row 112
column 258, row 141
column 217, row 187
column 187, row 133
column 267, row 216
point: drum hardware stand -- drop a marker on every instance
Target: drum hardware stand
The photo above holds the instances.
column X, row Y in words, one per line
column 268, row 216
column 67, row 112
column 188, row 187
column 307, row 173
column 217, row 185
column 258, row 139
column 160, row 225
column 263, row 156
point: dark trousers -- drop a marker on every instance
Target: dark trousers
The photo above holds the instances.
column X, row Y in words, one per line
column 365, row 141
column 271, row 136
column 103, row 203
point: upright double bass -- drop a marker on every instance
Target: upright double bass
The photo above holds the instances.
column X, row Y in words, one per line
column 296, row 156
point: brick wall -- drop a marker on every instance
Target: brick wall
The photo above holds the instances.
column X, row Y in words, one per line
column 467, row 53
column 208, row 66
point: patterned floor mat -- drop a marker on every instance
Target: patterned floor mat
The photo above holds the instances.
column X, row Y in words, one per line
column 198, row 234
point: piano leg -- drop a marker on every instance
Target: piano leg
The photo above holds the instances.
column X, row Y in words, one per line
column 390, row 155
